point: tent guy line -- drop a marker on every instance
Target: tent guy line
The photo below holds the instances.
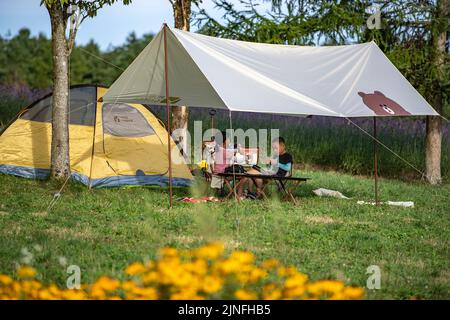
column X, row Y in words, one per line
column 100, row 58
column 422, row 174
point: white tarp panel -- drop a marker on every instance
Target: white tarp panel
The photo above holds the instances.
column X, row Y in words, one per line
column 144, row 79
column 343, row 81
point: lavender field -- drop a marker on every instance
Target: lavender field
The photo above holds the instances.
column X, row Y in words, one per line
column 325, row 142
column 337, row 144
column 15, row 97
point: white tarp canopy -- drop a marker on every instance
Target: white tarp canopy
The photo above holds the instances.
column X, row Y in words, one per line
column 342, row 81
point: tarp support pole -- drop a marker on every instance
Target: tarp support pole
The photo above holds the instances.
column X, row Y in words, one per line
column 93, row 142
column 169, row 151
column 375, row 160
column 93, row 137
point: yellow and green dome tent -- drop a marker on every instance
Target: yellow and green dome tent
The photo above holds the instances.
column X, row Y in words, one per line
column 111, row 144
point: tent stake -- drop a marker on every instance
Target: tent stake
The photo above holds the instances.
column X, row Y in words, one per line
column 375, row 160
column 166, row 67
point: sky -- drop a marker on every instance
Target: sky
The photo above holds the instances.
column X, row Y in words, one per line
column 110, row 28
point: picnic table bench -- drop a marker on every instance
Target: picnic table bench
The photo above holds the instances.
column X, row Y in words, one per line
column 282, row 183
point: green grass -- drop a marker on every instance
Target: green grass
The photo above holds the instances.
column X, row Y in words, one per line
column 104, row 230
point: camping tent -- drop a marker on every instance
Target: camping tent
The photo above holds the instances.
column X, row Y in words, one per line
column 342, row 81
column 183, row 68
column 111, row 144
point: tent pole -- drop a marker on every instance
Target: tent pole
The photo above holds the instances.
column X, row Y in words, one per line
column 93, row 138
column 375, row 160
column 169, row 151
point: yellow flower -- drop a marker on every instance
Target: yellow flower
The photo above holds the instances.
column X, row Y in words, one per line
column 45, row 295
column 53, row 290
column 242, row 294
column 243, row 278
column 97, row 293
column 187, row 294
column 268, row 287
column 229, row 266
column 295, row 292
column 270, row 264
column 106, row 283
column 148, row 293
column 325, row 286
column 187, row 275
column 287, row 271
column 210, row 251
column 129, row 285
column 297, row 280
column 353, row 293
column 184, row 279
column 4, row 279
column 168, row 252
column 26, row 272
column 198, row 266
column 74, row 295
column 134, row 269
column 211, row 284
column 149, row 277
column 273, row 295
column 243, row 257
column 257, row 274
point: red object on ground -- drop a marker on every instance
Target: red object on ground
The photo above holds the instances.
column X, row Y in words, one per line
column 200, row 200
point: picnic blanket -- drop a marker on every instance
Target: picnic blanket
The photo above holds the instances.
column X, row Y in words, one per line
column 200, row 200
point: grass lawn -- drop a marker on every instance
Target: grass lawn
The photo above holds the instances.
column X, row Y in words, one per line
column 104, row 230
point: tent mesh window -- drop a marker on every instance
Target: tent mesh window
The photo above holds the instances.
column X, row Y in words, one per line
column 122, row 120
column 82, row 107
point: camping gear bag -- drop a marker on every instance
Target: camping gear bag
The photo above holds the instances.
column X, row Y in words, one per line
column 235, row 168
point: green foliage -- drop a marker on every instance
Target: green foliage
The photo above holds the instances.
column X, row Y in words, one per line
column 89, row 8
column 407, row 34
column 103, row 230
column 27, row 60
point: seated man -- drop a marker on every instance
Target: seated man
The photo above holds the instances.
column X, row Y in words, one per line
column 280, row 165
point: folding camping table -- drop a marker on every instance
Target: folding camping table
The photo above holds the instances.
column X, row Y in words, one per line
column 287, row 185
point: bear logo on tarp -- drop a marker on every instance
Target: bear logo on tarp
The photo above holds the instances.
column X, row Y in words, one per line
column 382, row 105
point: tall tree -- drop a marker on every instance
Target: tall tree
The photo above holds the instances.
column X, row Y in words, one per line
column 414, row 35
column 180, row 114
column 60, row 11
column 439, row 36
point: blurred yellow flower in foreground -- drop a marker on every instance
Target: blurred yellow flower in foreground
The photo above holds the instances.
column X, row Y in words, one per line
column 212, row 284
column 26, row 272
column 210, row 251
column 242, row 294
column 135, row 269
column 206, row 272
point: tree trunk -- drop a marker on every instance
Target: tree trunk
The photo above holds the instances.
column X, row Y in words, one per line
column 180, row 114
column 433, row 150
column 434, row 123
column 60, row 161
